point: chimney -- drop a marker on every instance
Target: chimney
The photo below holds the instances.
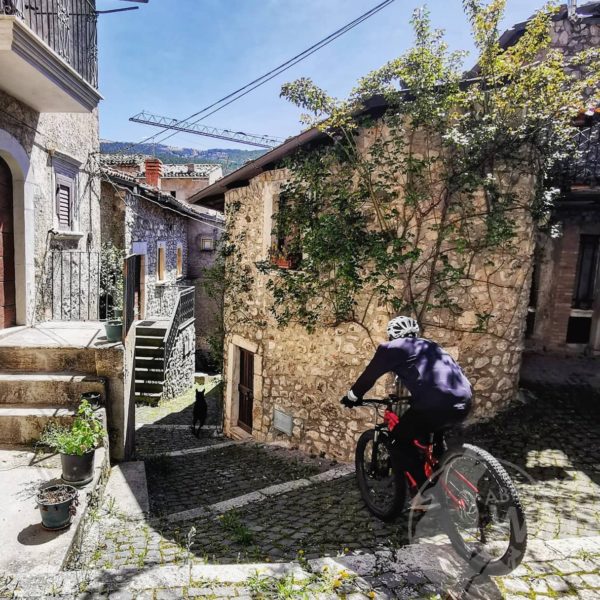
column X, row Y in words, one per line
column 191, row 168
column 572, row 9
column 153, row 172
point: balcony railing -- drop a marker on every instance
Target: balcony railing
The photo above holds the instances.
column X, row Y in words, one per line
column 67, row 26
column 582, row 169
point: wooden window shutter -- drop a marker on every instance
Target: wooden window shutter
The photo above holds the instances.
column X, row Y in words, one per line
column 63, row 205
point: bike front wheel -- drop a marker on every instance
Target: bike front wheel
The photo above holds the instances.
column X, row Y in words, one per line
column 483, row 515
column 382, row 488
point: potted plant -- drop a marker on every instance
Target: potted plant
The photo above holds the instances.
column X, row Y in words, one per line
column 279, row 257
column 111, row 288
column 76, row 444
column 58, row 505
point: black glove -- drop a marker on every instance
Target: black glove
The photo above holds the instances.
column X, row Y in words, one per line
column 349, row 403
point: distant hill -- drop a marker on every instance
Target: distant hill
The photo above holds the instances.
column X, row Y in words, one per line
column 229, row 158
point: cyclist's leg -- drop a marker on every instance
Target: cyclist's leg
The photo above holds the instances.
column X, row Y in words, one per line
column 406, row 455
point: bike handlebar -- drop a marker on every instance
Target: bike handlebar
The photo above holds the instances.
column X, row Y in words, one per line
column 391, row 400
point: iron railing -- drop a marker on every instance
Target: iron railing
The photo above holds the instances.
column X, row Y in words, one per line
column 583, row 167
column 73, row 285
column 131, row 274
column 68, row 26
column 182, row 313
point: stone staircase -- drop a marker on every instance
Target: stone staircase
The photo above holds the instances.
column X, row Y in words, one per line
column 39, row 385
column 149, row 360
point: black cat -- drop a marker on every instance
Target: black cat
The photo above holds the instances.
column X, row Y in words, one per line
column 200, row 411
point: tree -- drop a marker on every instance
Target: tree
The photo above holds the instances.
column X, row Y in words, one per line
column 422, row 209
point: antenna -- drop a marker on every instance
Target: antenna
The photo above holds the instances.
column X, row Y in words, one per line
column 251, row 139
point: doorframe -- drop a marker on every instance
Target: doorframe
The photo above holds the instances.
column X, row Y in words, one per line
column 141, row 249
column 232, row 382
column 23, row 225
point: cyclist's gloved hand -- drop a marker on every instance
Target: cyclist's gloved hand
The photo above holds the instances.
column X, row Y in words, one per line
column 350, row 400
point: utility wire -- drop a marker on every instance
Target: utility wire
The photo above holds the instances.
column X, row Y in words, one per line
column 259, row 81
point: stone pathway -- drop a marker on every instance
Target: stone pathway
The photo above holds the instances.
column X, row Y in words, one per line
column 225, row 511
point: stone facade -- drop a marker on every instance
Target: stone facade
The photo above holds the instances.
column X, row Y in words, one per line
column 305, row 375
column 34, row 145
column 179, row 375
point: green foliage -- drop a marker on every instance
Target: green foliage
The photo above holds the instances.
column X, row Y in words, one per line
column 85, row 434
column 416, row 208
column 230, row 522
column 111, row 275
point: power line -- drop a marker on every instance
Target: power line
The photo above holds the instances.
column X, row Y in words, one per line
column 259, row 81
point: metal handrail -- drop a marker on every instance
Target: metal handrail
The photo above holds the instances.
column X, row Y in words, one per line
column 182, row 312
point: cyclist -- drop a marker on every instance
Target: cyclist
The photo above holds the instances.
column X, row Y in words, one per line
column 440, row 392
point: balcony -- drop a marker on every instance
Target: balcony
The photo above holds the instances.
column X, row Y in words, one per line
column 581, row 171
column 48, row 54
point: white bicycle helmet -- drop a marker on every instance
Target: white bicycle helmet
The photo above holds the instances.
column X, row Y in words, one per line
column 401, row 327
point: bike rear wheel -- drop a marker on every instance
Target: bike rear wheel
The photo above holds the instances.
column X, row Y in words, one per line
column 382, row 488
column 483, row 515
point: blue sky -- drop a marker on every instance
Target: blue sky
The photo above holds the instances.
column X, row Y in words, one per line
column 173, row 57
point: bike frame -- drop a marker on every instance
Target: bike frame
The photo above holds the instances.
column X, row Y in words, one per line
column 431, row 462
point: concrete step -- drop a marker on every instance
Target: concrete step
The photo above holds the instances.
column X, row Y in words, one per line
column 150, row 351
column 47, row 388
column 157, row 375
column 140, row 330
column 148, row 386
column 148, row 341
column 22, row 424
column 46, row 360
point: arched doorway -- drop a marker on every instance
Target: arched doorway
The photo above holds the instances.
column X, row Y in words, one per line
column 7, row 249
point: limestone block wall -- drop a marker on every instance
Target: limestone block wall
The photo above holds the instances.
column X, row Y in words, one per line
column 31, row 143
column 179, row 375
column 147, row 226
column 305, row 375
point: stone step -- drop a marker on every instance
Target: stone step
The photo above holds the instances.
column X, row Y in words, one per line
column 149, row 362
column 47, row 360
column 157, row 375
column 149, row 351
column 140, row 330
column 22, row 424
column 148, row 386
column 148, row 341
column 147, row 397
column 47, row 388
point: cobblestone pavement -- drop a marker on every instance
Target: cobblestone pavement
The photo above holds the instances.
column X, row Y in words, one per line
column 551, row 439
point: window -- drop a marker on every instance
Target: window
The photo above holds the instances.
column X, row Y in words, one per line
column 207, row 244
column 179, row 261
column 65, row 175
column 64, row 199
column 587, row 267
column 284, row 252
column 161, row 262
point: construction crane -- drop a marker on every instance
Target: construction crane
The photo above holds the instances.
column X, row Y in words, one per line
column 262, row 141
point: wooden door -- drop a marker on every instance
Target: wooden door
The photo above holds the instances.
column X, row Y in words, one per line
column 8, row 313
column 246, row 390
column 137, row 301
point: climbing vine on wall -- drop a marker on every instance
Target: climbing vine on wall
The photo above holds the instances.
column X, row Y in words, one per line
column 420, row 195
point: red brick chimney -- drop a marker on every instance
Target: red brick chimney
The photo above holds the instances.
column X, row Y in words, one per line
column 191, row 168
column 153, row 172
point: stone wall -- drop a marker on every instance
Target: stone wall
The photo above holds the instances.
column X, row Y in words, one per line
column 179, row 375
column 305, row 375
column 150, row 224
column 43, row 139
column 207, row 310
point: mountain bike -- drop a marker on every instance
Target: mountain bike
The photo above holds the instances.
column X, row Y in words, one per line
column 479, row 505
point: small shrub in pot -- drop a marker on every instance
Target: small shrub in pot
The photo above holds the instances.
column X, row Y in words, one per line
column 76, row 444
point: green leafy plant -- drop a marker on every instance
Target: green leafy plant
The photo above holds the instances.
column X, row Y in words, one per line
column 111, row 276
column 84, row 435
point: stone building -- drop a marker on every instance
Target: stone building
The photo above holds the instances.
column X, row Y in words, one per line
column 285, row 384
column 181, row 181
column 153, row 228
column 51, row 344
column 564, row 310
